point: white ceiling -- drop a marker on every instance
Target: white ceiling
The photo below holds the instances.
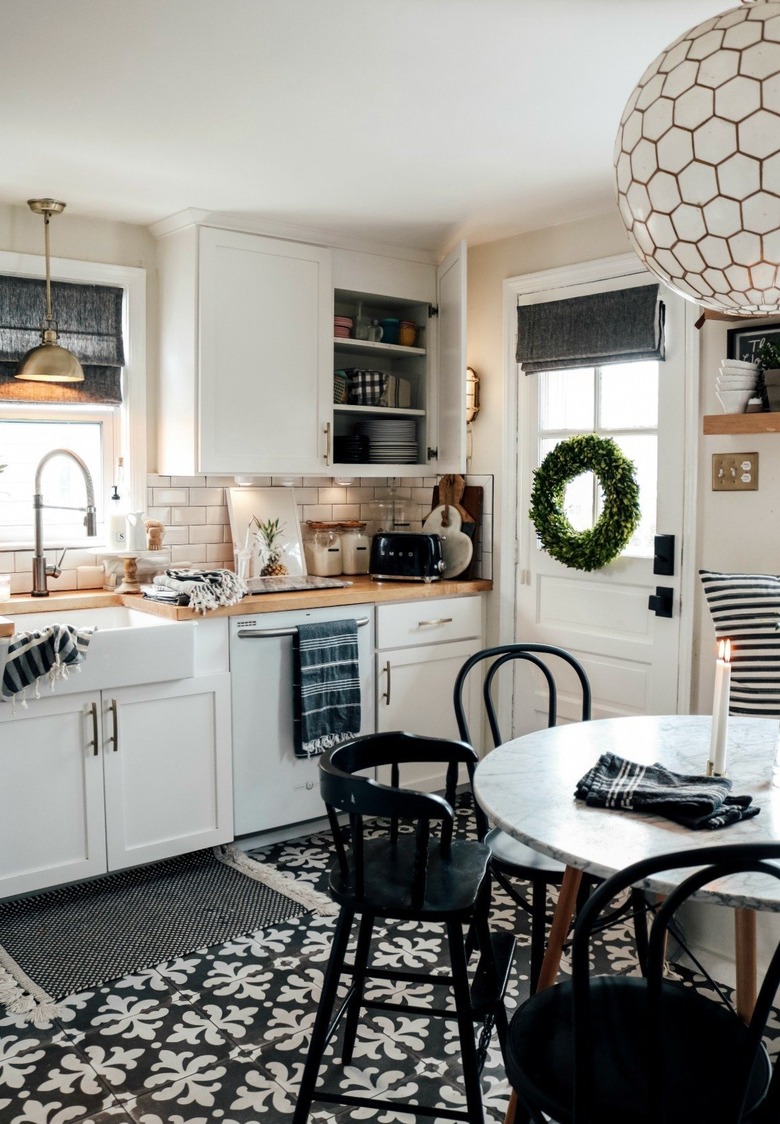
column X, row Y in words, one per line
column 413, row 121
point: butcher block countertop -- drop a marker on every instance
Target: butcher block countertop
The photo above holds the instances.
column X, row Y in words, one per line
column 362, row 590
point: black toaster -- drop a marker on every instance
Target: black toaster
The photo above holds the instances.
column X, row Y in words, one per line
column 406, row 557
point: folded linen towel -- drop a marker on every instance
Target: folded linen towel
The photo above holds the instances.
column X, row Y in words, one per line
column 205, row 589
column 42, row 652
column 326, row 686
column 690, row 800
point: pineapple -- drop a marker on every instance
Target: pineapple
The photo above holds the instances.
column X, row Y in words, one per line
column 271, row 550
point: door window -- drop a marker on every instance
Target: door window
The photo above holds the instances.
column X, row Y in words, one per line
column 618, row 401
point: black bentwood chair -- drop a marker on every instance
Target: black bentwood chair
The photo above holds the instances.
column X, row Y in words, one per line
column 610, row 1049
column 512, row 859
column 406, row 867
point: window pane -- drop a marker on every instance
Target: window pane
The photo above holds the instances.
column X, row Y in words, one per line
column 643, row 451
column 578, row 504
column 566, row 399
column 22, row 445
column 629, row 396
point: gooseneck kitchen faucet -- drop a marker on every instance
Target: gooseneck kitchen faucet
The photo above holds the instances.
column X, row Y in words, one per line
column 40, row 570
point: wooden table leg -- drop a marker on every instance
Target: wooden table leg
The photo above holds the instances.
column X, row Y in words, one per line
column 559, row 931
column 745, row 946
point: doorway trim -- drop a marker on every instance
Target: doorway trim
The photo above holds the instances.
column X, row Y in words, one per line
column 547, row 285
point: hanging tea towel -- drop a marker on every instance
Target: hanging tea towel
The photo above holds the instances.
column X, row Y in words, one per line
column 48, row 652
column 326, row 686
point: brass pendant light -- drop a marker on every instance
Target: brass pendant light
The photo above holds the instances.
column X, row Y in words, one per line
column 49, row 362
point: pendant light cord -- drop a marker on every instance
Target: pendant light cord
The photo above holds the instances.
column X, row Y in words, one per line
column 46, row 217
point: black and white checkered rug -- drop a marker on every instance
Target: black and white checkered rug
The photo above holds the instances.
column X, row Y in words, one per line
column 66, row 940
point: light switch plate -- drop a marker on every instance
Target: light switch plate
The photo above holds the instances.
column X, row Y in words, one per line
column 735, row 472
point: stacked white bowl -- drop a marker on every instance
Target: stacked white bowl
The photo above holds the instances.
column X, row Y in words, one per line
column 735, row 384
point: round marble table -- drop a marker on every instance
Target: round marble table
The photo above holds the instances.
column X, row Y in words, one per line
column 526, row 786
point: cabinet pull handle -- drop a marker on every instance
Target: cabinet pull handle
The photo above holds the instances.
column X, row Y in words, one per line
column 386, row 695
column 115, row 724
column 438, row 620
column 328, row 454
column 93, row 745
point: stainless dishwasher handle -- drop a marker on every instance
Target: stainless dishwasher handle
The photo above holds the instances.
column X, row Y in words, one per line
column 437, row 620
column 254, row 633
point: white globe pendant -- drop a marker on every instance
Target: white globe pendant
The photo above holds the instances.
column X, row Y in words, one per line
column 697, row 162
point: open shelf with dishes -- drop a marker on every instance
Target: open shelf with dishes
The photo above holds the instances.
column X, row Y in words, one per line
column 382, row 392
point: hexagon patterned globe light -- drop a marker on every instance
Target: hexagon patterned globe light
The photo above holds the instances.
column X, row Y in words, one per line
column 697, row 162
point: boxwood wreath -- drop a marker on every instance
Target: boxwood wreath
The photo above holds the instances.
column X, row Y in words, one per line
column 600, row 544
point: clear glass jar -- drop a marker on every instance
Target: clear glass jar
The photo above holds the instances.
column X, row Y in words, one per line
column 355, row 545
column 323, row 554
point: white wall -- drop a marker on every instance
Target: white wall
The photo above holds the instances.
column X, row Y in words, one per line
column 735, row 531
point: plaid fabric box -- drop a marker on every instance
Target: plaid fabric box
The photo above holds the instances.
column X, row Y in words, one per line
column 366, row 387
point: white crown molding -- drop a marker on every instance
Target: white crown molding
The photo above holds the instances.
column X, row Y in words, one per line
column 224, row 220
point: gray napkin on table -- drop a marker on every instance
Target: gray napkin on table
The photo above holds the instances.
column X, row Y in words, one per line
column 693, row 801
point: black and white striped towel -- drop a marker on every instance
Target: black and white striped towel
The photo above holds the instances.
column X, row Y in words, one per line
column 47, row 652
column 326, row 686
column 693, row 801
column 203, row 589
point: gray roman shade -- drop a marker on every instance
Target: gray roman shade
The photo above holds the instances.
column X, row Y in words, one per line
column 89, row 322
column 618, row 327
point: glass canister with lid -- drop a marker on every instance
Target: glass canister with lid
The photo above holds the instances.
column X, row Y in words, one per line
column 354, row 548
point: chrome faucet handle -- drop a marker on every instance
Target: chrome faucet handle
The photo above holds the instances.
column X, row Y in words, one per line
column 55, row 570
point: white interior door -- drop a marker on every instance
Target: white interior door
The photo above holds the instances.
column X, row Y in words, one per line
column 634, row 658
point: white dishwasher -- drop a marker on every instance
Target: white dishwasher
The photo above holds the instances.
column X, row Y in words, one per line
column 272, row 787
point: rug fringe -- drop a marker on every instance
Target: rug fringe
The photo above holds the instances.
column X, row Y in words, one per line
column 299, row 892
column 21, row 996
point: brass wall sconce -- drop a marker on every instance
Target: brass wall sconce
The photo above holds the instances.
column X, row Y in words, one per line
column 472, row 394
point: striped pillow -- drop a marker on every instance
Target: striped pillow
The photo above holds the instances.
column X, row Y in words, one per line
column 746, row 610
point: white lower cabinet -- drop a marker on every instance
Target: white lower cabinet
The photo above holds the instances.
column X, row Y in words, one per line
column 421, row 647
column 101, row 781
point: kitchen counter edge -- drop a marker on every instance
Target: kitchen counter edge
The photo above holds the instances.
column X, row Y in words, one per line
column 362, row 591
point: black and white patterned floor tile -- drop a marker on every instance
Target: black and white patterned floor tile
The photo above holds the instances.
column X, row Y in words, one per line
column 221, row 1035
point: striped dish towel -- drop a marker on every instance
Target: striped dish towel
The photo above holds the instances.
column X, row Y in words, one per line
column 326, row 686
column 693, row 801
column 46, row 652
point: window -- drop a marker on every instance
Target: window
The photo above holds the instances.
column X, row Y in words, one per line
column 100, row 435
column 618, row 401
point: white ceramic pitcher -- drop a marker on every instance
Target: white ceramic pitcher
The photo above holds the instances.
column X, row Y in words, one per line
column 136, row 530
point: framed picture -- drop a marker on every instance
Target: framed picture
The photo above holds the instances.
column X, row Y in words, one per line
column 268, row 503
column 743, row 342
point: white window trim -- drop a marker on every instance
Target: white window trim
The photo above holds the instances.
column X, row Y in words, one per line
column 130, row 441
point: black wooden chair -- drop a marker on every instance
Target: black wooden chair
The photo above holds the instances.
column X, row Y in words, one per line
column 406, row 867
column 611, row 1049
column 512, row 859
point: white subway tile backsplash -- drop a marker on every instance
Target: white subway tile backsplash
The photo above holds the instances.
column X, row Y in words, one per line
column 194, row 512
column 186, row 516
column 207, row 496
column 168, row 496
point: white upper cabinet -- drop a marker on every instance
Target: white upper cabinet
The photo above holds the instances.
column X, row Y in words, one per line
column 246, row 347
column 248, row 357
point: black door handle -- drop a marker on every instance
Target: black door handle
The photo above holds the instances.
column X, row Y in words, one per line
column 663, row 554
column 662, row 601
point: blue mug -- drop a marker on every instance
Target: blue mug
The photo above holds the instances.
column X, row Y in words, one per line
column 389, row 330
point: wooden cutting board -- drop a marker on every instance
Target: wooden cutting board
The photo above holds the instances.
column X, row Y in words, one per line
column 471, row 500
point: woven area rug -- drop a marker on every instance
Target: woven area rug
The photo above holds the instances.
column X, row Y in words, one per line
column 75, row 938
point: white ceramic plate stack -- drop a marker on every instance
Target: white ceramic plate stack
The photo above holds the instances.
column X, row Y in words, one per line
column 391, row 440
column 735, row 384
